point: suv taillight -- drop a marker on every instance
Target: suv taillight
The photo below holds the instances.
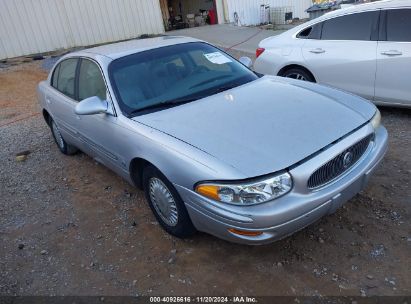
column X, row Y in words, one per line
column 258, row 52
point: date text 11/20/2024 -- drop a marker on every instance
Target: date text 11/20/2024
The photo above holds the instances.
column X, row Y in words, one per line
column 182, row 299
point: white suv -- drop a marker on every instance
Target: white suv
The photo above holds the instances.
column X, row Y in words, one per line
column 364, row 49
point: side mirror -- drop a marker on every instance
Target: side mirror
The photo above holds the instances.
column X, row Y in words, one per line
column 246, row 61
column 92, row 105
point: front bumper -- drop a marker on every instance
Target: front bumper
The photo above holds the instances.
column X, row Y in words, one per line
column 297, row 209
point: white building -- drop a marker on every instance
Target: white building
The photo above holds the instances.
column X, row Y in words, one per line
column 38, row 26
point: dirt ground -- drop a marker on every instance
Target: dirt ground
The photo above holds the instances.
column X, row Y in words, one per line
column 69, row 226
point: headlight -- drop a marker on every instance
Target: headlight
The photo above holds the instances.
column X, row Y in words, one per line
column 247, row 193
column 376, row 120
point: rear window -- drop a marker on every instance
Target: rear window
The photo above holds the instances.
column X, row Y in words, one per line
column 349, row 27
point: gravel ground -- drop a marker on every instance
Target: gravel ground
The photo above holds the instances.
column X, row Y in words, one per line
column 69, row 226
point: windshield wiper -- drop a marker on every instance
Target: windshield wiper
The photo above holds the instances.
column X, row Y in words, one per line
column 224, row 88
column 162, row 105
column 209, row 80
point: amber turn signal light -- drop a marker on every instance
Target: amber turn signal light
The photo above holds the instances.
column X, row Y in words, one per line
column 245, row 233
column 209, row 191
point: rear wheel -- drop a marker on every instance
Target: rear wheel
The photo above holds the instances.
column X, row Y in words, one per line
column 299, row 74
column 63, row 146
column 166, row 204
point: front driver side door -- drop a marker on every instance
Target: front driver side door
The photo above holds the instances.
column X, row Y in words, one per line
column 99, row 132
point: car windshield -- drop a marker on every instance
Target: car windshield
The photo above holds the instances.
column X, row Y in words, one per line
column 168, row 76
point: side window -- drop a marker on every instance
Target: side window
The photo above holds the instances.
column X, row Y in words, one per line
column 399, row 25
column 91, row 82
column 358, row 26
column 312, row 32
column 66, row 77
column 55, row 77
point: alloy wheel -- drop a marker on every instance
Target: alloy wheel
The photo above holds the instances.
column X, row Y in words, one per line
column 297, row 76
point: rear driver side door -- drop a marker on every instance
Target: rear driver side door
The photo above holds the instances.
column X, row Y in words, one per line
column 61, row 100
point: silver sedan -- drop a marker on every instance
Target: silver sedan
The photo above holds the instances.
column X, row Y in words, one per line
column 215, row 146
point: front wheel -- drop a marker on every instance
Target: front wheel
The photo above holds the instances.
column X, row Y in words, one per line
column 166, row 204
column 298, row 74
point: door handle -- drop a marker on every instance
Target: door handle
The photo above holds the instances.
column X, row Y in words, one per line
column 317, row 51
column 391, row 53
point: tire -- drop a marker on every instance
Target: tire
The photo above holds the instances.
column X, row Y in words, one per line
column 166, row 204
column 297, row 73
column 63, row 146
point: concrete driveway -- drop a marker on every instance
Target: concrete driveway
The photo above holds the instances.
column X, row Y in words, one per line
column 227, row 36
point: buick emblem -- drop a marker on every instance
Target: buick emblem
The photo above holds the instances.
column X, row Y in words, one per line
column 347, row 159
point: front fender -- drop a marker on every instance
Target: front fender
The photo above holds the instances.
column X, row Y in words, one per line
column 180, row 162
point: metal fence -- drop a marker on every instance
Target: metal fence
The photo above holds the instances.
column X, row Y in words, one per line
column 248, row 11
column 281, row 15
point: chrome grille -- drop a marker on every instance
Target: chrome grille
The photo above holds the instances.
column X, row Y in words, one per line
column 339, row 164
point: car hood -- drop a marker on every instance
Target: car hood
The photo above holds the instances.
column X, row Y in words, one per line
column 266, row 125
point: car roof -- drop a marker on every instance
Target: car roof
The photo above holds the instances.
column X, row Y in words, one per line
column 383, row 4
column 124, row 48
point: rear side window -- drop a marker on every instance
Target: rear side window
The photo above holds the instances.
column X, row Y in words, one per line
column 350, row 27
column 312, row 32
column 64, row 77
column 399, row 25
column 55, row 77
